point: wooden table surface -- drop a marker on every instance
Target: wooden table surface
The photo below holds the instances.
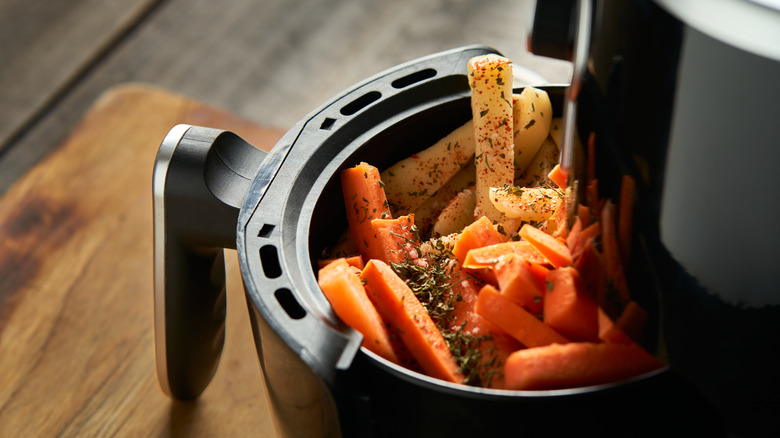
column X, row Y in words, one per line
column 75, row 364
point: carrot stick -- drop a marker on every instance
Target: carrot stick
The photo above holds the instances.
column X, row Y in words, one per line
column 488, row 256
column 515, row 320
column 356, row 261
column 584, row 237
column 609, row 332
column 591, row 157
column 394, row 238
column 519, row 280
column 590, row 265
column 583, row 212
column 632, row 321
column 576, row 364
column 568, row 309
column 625, row 217
column 346, row 295
column 365, row 200
column 551, row 248
column 613, row 262
column 558, row 176
column 400, row 308
column 497, row 346
column 478, row 234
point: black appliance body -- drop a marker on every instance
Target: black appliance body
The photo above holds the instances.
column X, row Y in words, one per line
column 280, row 211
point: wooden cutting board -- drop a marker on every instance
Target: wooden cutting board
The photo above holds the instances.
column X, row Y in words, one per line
column 76, row 300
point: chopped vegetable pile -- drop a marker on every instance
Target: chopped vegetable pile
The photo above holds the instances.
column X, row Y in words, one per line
column 460, row 263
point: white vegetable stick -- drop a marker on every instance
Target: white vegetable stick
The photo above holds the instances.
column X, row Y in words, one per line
column 527, row 204
column 490, row 78
column 411, row 181
column 532, row 118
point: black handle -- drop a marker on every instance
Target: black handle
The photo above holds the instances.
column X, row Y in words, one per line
column 200, row 178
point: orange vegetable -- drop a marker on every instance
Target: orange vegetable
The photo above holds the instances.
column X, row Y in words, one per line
column 522, row 282
column 495, row 350
column 488, row 256
column 476, row 235
column 356, row 261
column 609, row 332
column 578, row 237
column 394, row 238
column 558, row 176
column 591, row 157
column 401, row 309
column 583, row 212
column 613, row 262
column 590, row 266
column 568, row 309
column 365, row 200
column 348, row 298
column 551, row 248
column 515, row 320
column 626, row 217
column 576, row 364
column 632, row 321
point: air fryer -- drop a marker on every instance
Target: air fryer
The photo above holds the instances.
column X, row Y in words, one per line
column 281, row 210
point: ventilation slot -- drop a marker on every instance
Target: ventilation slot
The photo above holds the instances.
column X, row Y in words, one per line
column 327, row 124
column 266, row 231
column 270, row 260
column 414, row 78
column 288, row 302
column 360, row 103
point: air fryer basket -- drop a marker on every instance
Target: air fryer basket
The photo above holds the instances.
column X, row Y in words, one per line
column 319, row 380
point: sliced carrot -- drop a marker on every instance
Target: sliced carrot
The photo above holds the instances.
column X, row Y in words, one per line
column 522, row 282
column 593, row 275
column 488, row 256
column 568, row 309
column 592, row 199
column 626, row 217
column 465, row 291
column 583, row 212
column 558, row 176
column 609, row 332
column 632, row 321
column 365, row 200
column 476, row 235
column 574, row 233
column 515, row 320
column 395, row 239
column 346, row 295
column 613, row 262
column 497, row 345
column 355, row 260
column 400, row 308
column 494, row 346
column 576, row 364
column 582, row 238
column 591, row 157
column 551, row 248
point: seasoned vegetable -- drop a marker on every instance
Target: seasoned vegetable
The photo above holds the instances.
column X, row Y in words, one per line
column 492, row 287
column 413, row 180
column 576, row 364
column 343, row 288
column 401, row 309
column 490, row 78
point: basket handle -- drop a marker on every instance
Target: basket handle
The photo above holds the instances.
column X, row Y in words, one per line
column 200, row 178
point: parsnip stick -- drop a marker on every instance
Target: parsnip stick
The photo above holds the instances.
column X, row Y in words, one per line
column 490, row 78
column 411, row 181
column 532, row 118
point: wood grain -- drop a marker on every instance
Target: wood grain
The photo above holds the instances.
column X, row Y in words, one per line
column 76, row 328
column 48, row 46
column 272, row 61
